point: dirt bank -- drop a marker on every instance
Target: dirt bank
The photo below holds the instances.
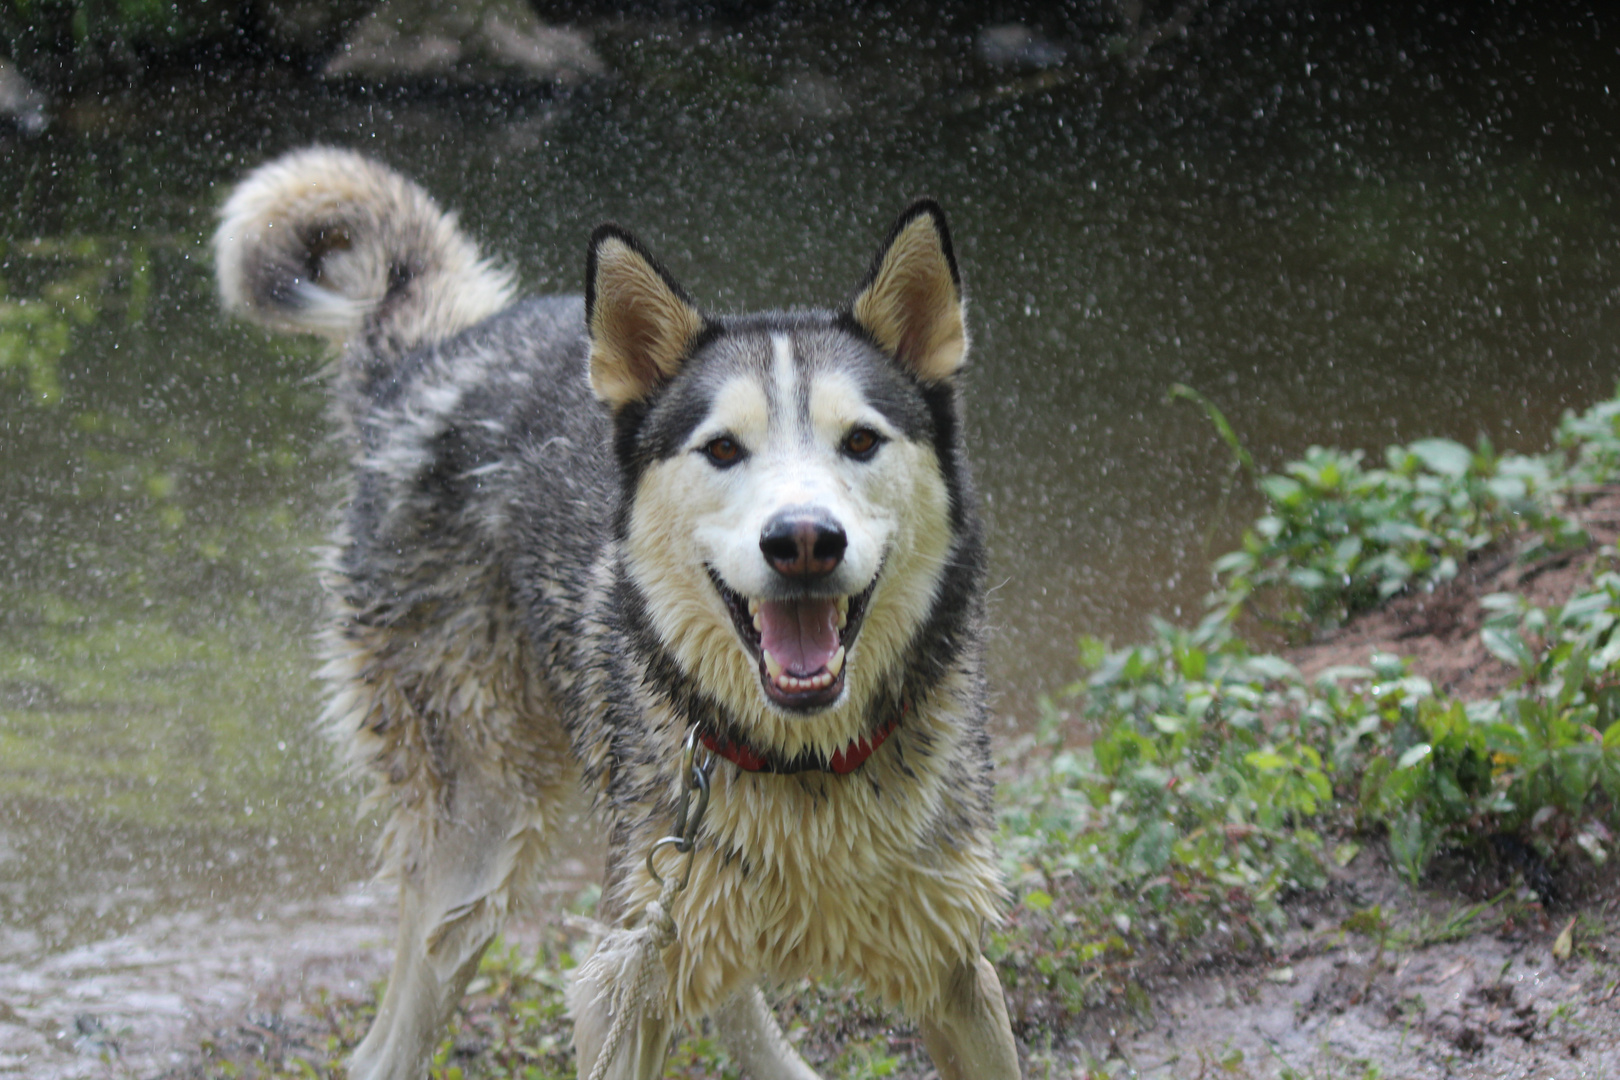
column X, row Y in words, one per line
column 1463, row 987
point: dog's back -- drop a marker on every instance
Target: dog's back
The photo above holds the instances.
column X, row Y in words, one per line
column 476, row 450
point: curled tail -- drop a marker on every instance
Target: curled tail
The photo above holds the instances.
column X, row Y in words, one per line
column 330, row 242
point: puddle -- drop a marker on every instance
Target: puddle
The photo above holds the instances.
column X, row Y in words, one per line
column 139, row 1003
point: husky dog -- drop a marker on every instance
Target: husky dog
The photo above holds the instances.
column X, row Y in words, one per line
column 583, row 532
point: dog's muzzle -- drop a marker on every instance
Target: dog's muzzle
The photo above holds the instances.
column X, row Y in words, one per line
column 802, row 636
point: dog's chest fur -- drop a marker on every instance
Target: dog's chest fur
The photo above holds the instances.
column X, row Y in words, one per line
column 877, row 877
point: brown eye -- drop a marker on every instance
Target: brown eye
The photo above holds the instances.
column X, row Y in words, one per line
column 861, row 443
column 723, row 451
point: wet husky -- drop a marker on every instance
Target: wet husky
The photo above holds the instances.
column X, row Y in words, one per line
column 585, row 534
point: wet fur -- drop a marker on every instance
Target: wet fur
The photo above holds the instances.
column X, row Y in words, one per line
column 516, row 614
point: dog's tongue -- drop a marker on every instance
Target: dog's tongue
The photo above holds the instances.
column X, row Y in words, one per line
column 801, row 634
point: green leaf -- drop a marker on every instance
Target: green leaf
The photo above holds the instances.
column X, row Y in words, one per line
column 1152, row 848
column 1093, row 652
column 1444, row 456
column 1580, row 607
column 1271, row 668
column 1506, row 645
column 1412, row 841
column 1282, row 491
column 1573, row 674
column 1216, row 417
column 1611, row 736
column 1414, row 755
column 1373, row 782
column 1307, row 578
column 1266, row 760
column 1192, row 662
column 1169, row 725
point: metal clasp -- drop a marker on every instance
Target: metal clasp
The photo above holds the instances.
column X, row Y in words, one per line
column 689, row 813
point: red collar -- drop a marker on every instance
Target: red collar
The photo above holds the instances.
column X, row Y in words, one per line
column 842, row 763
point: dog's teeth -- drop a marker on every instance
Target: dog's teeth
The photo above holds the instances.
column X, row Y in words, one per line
column 759, row 623
column 836, row 664
column 843, row 612
column 772, row 665
column 795, row 685
column 753, row 611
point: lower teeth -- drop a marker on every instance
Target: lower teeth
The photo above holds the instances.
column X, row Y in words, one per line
column 794, row 684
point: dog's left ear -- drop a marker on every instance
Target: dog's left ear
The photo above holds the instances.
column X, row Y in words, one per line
column 642, row 326
column 911, row 301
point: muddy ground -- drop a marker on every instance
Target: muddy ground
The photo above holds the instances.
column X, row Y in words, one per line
column 1459, row 990
column 1493, row 1003
column 139, row 1004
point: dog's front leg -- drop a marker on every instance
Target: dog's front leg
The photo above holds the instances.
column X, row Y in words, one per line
column 970, row 1038
column 456, row 886
column 752, row 1035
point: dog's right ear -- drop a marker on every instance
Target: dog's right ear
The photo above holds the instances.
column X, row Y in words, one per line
column 642, row 326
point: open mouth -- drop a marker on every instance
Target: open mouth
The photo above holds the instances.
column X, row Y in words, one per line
column 800, row 643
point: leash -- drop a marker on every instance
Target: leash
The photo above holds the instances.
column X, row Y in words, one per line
column 688, row 817
column 630, row 959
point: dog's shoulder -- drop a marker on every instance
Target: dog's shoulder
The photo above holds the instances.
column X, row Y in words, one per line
column 471, row 443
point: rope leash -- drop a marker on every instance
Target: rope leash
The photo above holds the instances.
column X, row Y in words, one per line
column 657, row 929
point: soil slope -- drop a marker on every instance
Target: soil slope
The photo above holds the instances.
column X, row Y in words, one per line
column 1485, row 998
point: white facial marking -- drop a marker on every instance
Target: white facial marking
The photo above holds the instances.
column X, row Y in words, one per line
column 785, row 379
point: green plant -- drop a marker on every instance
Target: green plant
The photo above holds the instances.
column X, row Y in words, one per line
column 1186, row 821
column 1213, row 770
column 1339, row 537
column 867, row 1059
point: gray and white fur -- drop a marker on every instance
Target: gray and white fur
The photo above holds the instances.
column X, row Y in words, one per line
column 580, row 528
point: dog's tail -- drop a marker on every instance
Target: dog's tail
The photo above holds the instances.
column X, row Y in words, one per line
column 330, row 242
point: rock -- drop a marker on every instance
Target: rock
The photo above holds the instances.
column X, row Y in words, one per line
column 304, row 29
column 1014, row 45
column 20, row 103
column 474, row 41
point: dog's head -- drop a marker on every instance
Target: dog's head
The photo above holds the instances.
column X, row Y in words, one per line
column 791, row 493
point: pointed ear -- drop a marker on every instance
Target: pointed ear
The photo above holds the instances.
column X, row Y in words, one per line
column 911, row 302
column 641, row 324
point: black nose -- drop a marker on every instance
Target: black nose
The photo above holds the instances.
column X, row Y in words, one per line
column 803, row 543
